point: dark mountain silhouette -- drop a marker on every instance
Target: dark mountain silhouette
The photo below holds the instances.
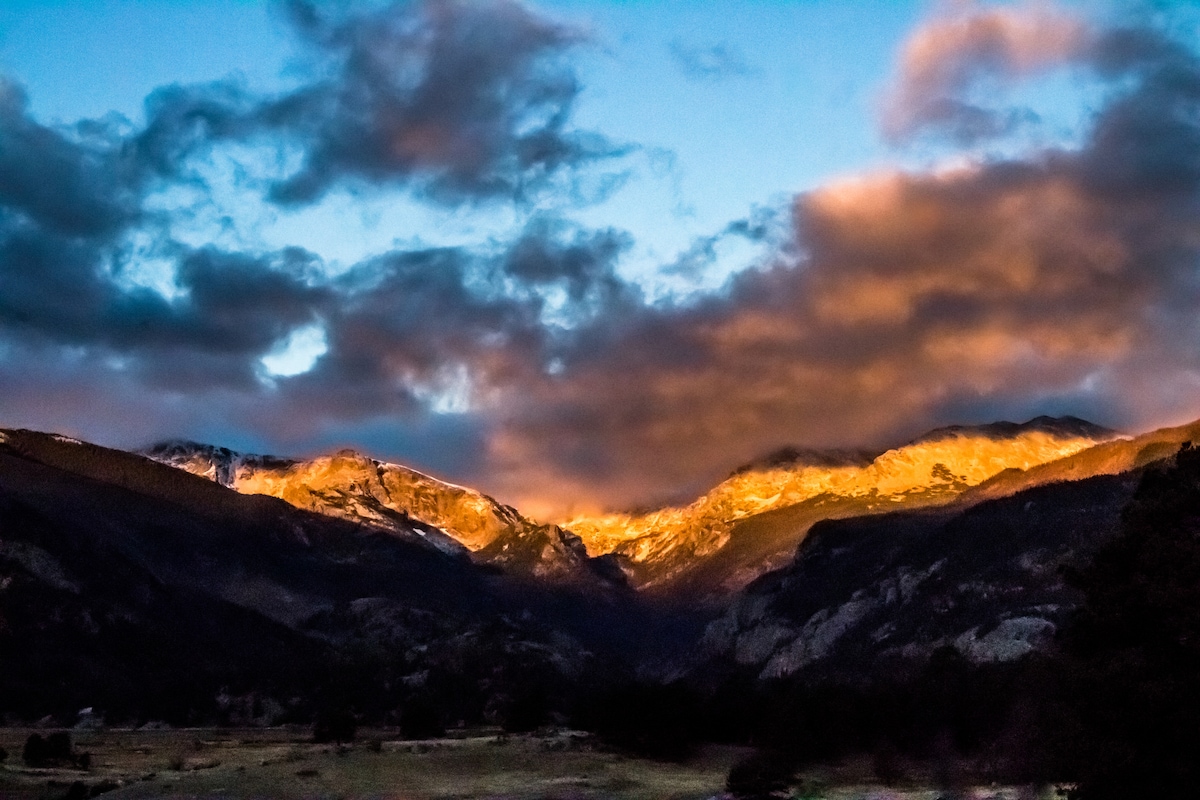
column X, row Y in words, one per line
column 146, row 591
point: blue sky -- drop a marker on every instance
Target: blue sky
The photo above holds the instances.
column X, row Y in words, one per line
column 592, row 254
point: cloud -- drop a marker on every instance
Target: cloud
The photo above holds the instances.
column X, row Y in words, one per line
column 461, row 101
column 764, row 225
column 711, row 62
column 1061, row 280
column 71, row 184
column 953, row 59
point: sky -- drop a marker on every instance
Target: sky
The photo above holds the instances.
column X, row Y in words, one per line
column 592, row 255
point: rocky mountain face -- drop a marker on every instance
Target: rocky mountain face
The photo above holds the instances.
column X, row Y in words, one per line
column 753, row 521
column 142, row 589
column 982, row 574
column 867, row 595
column 453, row 518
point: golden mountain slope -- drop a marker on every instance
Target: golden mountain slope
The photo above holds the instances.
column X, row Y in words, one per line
column 746, row 525
column 352, row 486
column 755, row 518
column 1109, row 458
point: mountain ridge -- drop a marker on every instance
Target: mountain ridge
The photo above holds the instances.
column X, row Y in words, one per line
column 663, row 547
column 153, row 593
column 714, row 545
column 350, row 485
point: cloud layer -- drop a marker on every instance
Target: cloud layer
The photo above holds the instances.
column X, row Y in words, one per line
column 1062, row 281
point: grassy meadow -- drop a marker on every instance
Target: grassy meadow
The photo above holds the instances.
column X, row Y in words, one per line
column 274, row 764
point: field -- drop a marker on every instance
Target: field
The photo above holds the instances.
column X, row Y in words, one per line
column 274, row 764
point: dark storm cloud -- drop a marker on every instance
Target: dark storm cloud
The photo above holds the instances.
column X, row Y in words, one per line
column 462, row 101
column 582, row 263
column 414, row 327
column 69, row 182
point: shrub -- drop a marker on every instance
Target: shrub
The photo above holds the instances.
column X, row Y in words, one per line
column 759, row 776
column 55, row 748
column 58, row 746
column 420, row 719
column 34, row 754
column 334, row 725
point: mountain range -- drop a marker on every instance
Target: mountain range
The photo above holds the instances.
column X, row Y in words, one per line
column 188, row 573
column 715, row 545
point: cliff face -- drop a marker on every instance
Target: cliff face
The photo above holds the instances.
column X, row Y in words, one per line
column 753, row 521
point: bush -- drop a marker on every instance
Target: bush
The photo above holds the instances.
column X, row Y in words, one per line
column 760, row 776
column 34, row 754
column 334, row 725
column 41, row 752
column 58, row 746
column 420, row 719
column 647, row 719
column 525, row 711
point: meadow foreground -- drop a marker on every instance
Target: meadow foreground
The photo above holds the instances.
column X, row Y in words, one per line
column 284, row 763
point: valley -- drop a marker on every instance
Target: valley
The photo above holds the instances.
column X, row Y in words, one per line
column 201, row 587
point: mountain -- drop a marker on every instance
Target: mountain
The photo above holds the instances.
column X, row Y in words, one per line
column 392, row 497
column 1108, row 458
column 146, row 591
column 982, row 574
column 875, row 594
column 745, row 526
column 753, row 521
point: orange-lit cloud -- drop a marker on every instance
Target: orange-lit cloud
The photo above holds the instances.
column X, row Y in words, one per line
column 972, row 45
column 1066, row 280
